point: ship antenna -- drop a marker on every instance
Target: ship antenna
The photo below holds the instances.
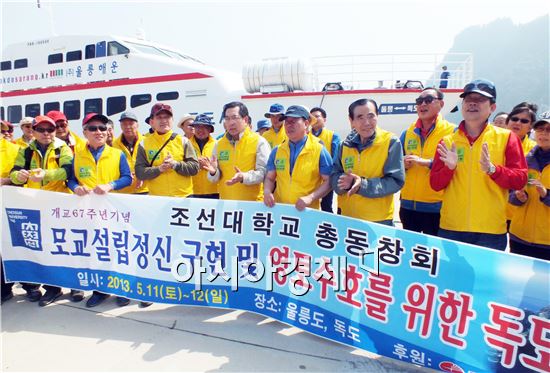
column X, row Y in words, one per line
column 51, row 15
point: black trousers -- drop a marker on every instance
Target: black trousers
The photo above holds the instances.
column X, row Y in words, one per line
column 326, row 202
column 528, row 250
column 422, row 222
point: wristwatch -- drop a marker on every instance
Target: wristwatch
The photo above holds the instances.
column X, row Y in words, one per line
column 491, row 169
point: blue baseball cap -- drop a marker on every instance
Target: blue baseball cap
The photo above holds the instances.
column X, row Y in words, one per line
column 263, row 123
column 299, row 111
column 275, row 109
column 482, row 86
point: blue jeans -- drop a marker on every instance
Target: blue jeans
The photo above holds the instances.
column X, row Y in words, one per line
column 492, row 241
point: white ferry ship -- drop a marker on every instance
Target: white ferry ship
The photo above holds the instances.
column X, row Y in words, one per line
column 109, row 74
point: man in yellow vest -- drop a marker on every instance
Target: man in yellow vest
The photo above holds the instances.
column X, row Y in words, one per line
column 475, row 167
column 128, row 142
column 203, row 143
column 420, row 204
column 62, row 130
column 529, row 233
column 98, row 168
column 330, row 140
column 45, row 164
column 26, row 127
column 8, row 153
column 368, row 169
column 262, row 126
column 239, row 159
column 310, row 159
column 186, row 125
column 7, row 131
column 166, row 161
column 276, row 134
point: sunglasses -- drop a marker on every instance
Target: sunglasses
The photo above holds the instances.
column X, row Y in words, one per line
column 61, row 125
column 44, row 129
column 543, row 129
column 428, row 100
column 95, row 128
column 9, row 130
column 522, row 120
column 484, row 87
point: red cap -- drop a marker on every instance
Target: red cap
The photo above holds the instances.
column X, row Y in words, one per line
column 158, row 107
column 91, row 116
column 42, row 119
column 56, row 115
column 6, row 125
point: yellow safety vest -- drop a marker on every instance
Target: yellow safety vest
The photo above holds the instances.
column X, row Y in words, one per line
column 417, row 178
column 526, row 144
column 243, row 156
column 305, row 177
column 50, row 162
column 91, row 174
column 275, row 138
column 21, row 142
column 472, row 202
column 169, row 183
column 8, row 153
column 369, row 163
column 531, row 220
column 326, row 137
column 118, row 144
column 201, row 185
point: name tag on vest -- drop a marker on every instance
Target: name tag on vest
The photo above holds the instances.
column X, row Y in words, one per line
column 280, row 164
column 349, row 162
column 224, row 155
column 84, row 172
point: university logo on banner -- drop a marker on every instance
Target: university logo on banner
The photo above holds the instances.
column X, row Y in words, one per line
column 25, row 228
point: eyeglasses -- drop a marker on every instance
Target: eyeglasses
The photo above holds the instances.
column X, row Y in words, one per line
column 9, row 130
column 61, row 125
column 522, row 120
column 428, row 100
column 95, row 128
column 44, row 129
column 543, row 129
column 234, row 117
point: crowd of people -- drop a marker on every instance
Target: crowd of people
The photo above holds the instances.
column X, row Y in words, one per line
column 474, row 182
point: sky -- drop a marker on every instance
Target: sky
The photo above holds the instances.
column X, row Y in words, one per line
column 228, row 34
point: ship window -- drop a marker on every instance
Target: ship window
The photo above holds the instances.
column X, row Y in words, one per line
column 116, row 105
column 100, row 49
column 90, row 51
column 74, row 55
column 32, row 110
column 20, row 64
column 2, row 113
column 49, row 106
column 115, row 48
column 148, row 49
column 55, row 58
column 15, row 113
column 93, row 105
column 165, row 96
column 138, row 100
column 5, row 65
column 71, row 109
